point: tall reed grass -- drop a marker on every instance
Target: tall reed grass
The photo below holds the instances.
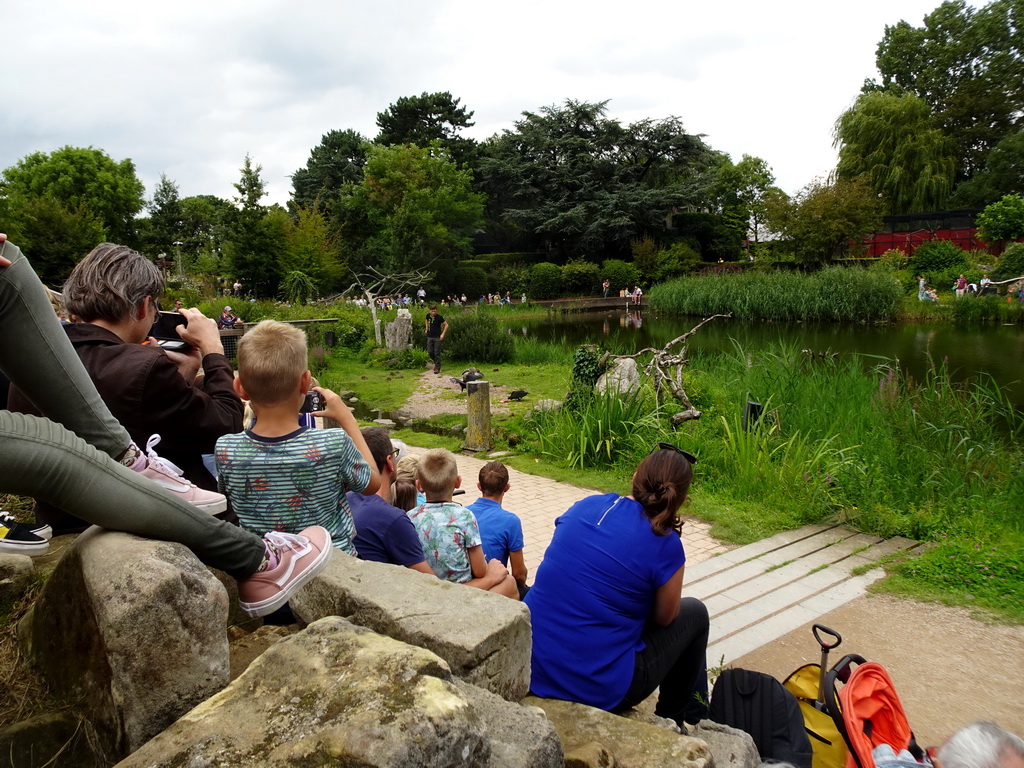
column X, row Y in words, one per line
column 834, row 293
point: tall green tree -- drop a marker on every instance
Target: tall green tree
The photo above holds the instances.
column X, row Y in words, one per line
column 255, row 235
column 891, row 141
column 334, row 164
column 741, row 189
column 418, row 204
column 823, row 219
column 1003, row 174
column 205, row 223
column 55, row 237
column 313, row 250
column 429, row 117
column 967, row 64
column 166, row 216
column 1002, row 220
column 79, row 178
column 573, row 180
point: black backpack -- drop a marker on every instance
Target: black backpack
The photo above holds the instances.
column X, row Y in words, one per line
column 758, row 704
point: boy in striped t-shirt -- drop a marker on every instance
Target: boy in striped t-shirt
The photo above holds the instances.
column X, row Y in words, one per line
column 280, row 476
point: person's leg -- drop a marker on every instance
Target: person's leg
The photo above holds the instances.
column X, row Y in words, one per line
column 673, row 659
column 43, row 460
column 37, row 356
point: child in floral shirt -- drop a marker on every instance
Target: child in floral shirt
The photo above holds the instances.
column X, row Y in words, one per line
column 449, row 533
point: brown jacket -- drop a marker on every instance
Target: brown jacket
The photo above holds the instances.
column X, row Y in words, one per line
column 144, row 390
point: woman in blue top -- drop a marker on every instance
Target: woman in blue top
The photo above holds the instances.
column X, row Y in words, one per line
column 609, row 622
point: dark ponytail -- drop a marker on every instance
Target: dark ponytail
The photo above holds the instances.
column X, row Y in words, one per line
column 660, row 485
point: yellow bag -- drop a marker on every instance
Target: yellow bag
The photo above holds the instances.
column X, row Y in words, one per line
column 826, row 742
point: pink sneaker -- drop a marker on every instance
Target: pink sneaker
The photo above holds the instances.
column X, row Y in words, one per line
column 167, row 475
column 293, row 559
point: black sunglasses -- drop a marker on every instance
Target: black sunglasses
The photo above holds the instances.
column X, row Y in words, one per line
column 669, row 447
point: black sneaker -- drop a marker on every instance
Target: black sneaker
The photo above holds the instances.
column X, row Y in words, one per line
column 17, row 539
column 42, row 530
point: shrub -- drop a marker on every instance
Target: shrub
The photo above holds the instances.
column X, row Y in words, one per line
column 580, row 278
column 477, row 337
column 397, row 359
column 680, row 259
column 514, row 278
column 1011, row 263
column 545, row 281
column 620, row 274
column 937, row 256
column 645, row 254
column 472, row 281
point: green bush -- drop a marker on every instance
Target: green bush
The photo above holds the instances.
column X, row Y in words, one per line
column 580, row 278
column 620, row 274
column 515, row 279
column 1011, row 263
column 545, row 281
column 676, row 261
column 937, row 256
column 472, row 281
column 397, row 359
column 476, row 337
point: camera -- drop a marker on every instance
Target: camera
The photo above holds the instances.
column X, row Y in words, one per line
column 166, row 326
column 314, row 402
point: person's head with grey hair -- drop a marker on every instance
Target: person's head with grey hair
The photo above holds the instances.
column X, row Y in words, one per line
column 982, row 745
column 111, row 283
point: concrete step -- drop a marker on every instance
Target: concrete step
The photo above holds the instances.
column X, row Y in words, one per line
column 756, row 594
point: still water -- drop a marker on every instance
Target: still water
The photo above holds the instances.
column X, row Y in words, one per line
column 995, row 350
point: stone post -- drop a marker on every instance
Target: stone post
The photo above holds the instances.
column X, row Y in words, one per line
column 478, row 428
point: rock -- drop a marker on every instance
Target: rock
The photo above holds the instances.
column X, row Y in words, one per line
column 16, row 572
column 499, row 454
column 337, row 694
column 592, row 738
column 132, row 631
column 731, row 747
column 621, row 378
column 484, row 638
column 547, row 405
column 398, row 333
column 252, row 645
column 386, row 423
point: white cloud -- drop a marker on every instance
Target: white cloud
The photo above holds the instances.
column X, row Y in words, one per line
column 189, row 88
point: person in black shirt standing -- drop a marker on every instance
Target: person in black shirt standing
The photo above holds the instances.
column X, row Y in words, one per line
column 437, row 327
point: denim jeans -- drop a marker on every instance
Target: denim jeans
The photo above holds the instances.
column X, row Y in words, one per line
column 674, row 661
column 66, row 458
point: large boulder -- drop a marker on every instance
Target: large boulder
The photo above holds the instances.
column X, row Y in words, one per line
column 484, row 638
column 621, row 378
column 16, row 574
column 338, row 694
column 132, row 631
column 398, row 333
column 593, row 738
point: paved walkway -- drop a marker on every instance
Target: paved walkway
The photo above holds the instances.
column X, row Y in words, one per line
column 755, row 594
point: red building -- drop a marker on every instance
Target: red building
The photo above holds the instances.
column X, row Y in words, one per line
column 906, row 231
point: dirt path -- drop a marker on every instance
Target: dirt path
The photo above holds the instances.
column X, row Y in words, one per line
column 437, row 394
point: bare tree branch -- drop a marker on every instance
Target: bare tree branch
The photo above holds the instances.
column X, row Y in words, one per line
column 372, row 283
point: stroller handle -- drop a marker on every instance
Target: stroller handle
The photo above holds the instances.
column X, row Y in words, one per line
column 820, row 629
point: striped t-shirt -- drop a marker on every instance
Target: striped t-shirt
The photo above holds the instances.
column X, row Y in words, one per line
column 291, row 482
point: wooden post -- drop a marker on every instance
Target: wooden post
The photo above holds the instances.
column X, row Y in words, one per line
column 478, row 428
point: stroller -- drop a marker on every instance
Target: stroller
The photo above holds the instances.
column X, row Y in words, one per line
column 845, row 724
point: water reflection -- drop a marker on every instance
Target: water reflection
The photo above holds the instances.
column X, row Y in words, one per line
column 993, row 350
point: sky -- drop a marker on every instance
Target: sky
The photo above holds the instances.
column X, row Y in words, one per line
column 189, row 88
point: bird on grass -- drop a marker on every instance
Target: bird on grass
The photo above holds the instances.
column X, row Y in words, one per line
column 516, row 394
column 468, row 376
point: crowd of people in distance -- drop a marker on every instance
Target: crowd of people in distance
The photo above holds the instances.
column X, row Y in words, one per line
column 268, row 501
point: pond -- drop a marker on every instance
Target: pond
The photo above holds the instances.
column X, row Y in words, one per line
column 995, row 350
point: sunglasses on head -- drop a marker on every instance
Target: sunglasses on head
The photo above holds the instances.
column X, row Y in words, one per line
column 669, row 447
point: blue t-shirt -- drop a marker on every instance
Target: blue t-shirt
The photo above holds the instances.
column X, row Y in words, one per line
column 593, row 595
column 384, row 534
column 501, row 532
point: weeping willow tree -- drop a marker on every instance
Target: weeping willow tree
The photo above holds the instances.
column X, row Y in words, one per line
column 891, row 142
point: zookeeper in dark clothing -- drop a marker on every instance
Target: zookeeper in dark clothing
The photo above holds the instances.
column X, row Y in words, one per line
column 437, row 327
column 150, row 391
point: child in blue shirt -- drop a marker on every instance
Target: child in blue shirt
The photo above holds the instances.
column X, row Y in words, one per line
column 501, row 532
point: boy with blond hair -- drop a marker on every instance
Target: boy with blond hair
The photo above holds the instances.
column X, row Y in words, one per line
column 449, row 533
column 280, row 476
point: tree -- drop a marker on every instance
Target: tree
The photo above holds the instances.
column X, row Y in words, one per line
column 890, row 141
column 427, row 118
column 822, row 219
column 741, row 190
column 80, row 179
column 1002, row 220
column 254, row 238
column 1003, row 174
column 166, row 216
column 967, row 65
column 573, row 180
column 334, row 164
column 205, row 222
column 55, row 236
column 312, row 250
column 418, row 205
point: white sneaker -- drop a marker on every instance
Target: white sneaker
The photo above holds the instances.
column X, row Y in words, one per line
column 167, row 475
column 42, row 530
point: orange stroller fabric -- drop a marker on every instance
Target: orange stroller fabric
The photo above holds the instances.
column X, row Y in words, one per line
column 873, row 714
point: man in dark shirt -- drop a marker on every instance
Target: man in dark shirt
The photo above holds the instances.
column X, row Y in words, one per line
column 437, row 327
column 384, row 533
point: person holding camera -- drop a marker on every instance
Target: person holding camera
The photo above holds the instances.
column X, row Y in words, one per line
column 155, row 393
